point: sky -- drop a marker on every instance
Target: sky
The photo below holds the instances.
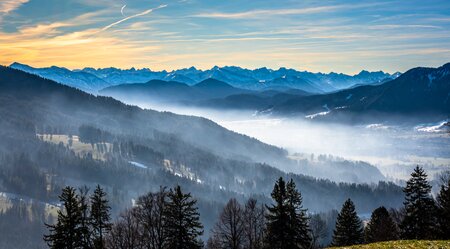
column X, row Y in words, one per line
column 325, row 36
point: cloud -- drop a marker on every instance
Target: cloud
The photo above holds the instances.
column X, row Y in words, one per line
column 121, row 10
column 403, row 26
column 263, row 13
column 133, row 16
column 292, row 11
column 7, row 6
column 87, row 48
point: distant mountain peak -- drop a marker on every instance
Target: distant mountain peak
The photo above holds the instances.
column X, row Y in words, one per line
column 14, row 64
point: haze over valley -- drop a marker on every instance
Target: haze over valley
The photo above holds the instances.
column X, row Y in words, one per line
column 335, row 124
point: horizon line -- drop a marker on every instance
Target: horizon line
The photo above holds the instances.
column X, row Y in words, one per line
column 206, row 69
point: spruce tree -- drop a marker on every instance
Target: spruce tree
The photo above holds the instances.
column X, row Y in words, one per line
column 419, row 220
column 183, row 221
column 381, row 227
column 443, row 200
column 287, row 223
column 277, row 217
column 99, row 217
column 299, row 233
column 67, row 232
column 348, row 229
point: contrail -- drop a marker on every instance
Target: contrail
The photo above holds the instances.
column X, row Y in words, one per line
column 121, row 10
column 133, row 16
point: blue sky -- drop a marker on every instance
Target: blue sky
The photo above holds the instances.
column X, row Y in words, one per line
column 339, row 36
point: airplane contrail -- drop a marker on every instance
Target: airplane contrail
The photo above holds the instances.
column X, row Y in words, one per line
column 133, row 16
column 121, row 10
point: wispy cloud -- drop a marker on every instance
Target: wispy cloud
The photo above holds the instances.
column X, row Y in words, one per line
column 403, row 26
column 262, row 13
column 133, row 16
column 7, row 6
column 121, row 9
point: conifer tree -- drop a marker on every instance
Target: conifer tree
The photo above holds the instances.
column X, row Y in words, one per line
column 420, row 209
column 183, row 221
column 381, row 227
column 277, row 217
column 287, row 224
column 299, row 233
column 67, row 232
column 348, row 229
column 99, row 217
column 443, row 200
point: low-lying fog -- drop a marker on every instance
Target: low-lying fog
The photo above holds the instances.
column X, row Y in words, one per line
column 393, row 149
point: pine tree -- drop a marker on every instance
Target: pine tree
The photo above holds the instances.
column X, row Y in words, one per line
column 299, row 233
column 67, row 232
column 277, row 217
column 381, row 227
column 443, row 200
column 287, row 223
column 99, row 217
column 348, row 229
column 183, row 221
column 420, row 208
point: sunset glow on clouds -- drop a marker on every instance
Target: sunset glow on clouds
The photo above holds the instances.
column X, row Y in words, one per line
column 308, row 35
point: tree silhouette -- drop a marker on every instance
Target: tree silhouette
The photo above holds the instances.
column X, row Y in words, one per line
column 381, row 227
column 229, row 230
column 287, row 225
column 348, row 229
column 99, row 217
column 443, row 200
column 67, row 232
column 420, row 209
column 183, row 221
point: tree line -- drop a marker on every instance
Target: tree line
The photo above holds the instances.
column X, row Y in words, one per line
column 169, row 219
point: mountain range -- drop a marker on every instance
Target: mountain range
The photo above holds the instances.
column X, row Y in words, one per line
column 422, row 93
column 92, row 80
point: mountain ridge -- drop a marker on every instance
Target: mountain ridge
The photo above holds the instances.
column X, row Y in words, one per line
column 238, row 77
column 420, row 90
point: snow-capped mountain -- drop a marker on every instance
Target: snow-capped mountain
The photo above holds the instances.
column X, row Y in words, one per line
column 92, row 80
column 78, row 79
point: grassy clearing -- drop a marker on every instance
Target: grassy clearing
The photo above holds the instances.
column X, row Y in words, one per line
column 99, row 151
column 404, row 244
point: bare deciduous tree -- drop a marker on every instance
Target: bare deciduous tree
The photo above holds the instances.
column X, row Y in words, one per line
column 150, row 212
column 229, row 230
column 124, row 233
column 254, row 224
